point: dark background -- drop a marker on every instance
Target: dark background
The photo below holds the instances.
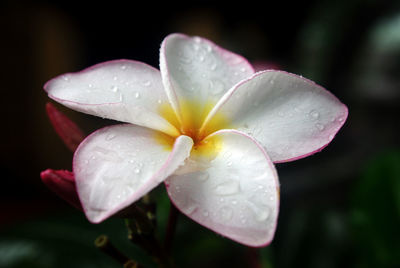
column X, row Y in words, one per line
column 339, row 208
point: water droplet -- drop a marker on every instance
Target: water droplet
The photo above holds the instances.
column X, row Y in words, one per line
column 243, row 69
column 115, row 78
column 234, row 202
column 229, row 163
column 208, row 48
column 272, row 82
column 131, row 161
column 159, row 101
column 146, row 83
column 205, row 213
column 213, row 66
column 202, row 176
column 261, row 213
column 227, row 154
column 225, row 213
column 114, row 88
column 137, row 170
column 137, row 95
column 65, row 78
column 190, row 207
column 201, row 58
column 110, row 136
column 221, row 200
column 340, row 119
column 185, row 59
column 123, row 67
column 197, row 39
column 314, row 114
column 236, row 60
column 216, row 86
column 228, row 188
column 320, row 126
column 196, row 47
column 90, row 85
column 177, row 189
column 281, row 114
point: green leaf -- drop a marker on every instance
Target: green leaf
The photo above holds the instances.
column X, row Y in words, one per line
column 376, row 213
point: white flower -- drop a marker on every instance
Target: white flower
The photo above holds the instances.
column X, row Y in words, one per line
column 205, row 124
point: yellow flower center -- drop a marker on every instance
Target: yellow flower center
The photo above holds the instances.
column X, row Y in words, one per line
column 193, row 115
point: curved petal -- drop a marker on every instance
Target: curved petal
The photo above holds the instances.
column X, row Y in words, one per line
column 236, row 193
column 196, row 73
column 121, row 90
column 292, row 117
column 117, row 165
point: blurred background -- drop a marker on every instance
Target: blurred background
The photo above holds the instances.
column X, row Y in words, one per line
column 339, row 208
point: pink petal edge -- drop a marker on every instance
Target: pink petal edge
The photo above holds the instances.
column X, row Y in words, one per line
column 321, row 148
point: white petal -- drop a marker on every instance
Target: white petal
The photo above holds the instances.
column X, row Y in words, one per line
column 235, row 193
column 292, row 117
column 122, row 90
column 117, row 165
column 195, row 69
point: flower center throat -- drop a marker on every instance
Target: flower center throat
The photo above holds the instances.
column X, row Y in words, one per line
column 193, row 115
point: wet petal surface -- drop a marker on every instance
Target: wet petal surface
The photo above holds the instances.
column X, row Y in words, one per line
column 292, row 117
column 195, row 69
column 234, row 192
column 117, row 165
column 122, row 90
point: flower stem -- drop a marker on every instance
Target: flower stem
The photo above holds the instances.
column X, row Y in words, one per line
column 171, row 227
column 141, row 231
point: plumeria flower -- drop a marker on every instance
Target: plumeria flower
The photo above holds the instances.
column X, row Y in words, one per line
column 205, row 124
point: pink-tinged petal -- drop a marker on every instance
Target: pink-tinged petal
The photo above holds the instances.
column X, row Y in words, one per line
column 62, row 182
column 67, row 130
column 117, row 165
column 121, row 90
column 292, row 117
column 234, row 193
column 195, row 69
